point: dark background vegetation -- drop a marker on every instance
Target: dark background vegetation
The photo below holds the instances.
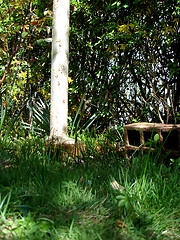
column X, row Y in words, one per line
column 124, row 59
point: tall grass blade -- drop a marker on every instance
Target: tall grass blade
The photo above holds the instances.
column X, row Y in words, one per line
column 3, row 113
column 91, row 120
column 4, row 205
column 4, row 110
column 74, row 125
column 16, row 118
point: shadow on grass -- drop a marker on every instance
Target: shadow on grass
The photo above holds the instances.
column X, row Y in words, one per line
column 54, row 198
column 67, row 198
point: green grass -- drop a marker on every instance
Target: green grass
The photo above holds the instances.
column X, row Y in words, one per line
column 44, row 195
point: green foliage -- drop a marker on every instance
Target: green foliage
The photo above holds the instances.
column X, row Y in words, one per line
column 143, row 201
column 123, row 54
column 21, row 24
column 5, row 106
column 40, row 117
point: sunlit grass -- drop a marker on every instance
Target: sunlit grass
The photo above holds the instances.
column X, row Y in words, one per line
column 47, row 196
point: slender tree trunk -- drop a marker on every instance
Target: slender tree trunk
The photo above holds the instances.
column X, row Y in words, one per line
column 59, row 69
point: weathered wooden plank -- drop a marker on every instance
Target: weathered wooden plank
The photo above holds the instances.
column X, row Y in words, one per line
column 169, row 136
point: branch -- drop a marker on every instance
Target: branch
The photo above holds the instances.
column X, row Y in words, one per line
column 9, row 64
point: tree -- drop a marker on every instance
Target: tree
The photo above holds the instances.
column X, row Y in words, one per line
column 124, row 56
column 23, row 30
column 59, row 70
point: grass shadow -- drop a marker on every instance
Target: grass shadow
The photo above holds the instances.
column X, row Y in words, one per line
column 71, row 198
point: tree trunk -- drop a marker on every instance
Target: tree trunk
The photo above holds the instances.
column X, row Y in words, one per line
column 59, row 69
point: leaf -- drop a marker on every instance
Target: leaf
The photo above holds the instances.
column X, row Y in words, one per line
column 127, row 204
column 39, row 41
column 24, row 209
column 122, row 203
column 115, row 185
column 156, row 137
column 125, row 6
column 118, row 221
column 120, row 197
column 24, row 34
